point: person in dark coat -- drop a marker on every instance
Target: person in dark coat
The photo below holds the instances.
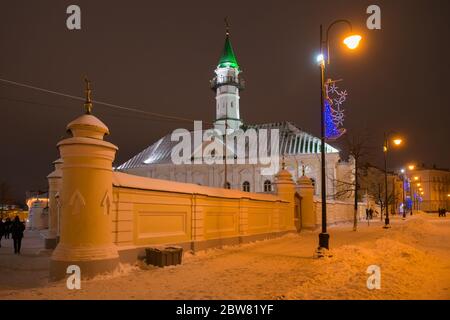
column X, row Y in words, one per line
column 7, row 228
column 17, row 229
column 2, row 230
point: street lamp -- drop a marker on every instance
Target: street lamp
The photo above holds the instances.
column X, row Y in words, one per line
column 386, row 146
column 403, row 175
column 351, row 41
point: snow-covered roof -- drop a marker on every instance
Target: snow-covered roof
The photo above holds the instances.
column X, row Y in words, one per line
column 293, row 141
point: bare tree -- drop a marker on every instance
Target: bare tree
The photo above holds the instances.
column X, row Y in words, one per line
column 372, row 181
column 358, row 147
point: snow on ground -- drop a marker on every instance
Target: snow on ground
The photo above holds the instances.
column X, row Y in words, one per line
column 414, row 257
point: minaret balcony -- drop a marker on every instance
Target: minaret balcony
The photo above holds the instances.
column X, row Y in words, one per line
column 217, row 82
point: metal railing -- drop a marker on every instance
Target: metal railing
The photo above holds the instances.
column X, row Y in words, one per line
column 227, row 81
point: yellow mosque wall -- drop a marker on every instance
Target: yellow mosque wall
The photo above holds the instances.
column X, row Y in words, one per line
column 148, row 211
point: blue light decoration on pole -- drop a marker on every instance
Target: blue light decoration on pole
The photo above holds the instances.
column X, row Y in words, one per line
column 409, row 203
column 334, row 111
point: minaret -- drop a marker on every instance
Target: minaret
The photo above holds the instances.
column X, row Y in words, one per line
column 227, row 84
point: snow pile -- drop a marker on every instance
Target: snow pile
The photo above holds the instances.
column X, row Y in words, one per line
column 122, row 270
column 417, row 227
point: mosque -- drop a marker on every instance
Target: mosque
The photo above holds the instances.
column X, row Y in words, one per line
column 299, row 151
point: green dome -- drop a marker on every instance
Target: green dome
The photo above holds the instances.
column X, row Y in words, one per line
column 228, row 59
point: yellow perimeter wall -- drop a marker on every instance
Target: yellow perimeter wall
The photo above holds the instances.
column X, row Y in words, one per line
column 149, row 211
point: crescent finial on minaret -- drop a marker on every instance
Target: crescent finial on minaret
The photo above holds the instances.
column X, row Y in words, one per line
column 227, row 26
column 88, row 91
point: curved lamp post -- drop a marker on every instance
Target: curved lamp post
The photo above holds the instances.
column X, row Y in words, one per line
column 386, row 147
column 351, row 41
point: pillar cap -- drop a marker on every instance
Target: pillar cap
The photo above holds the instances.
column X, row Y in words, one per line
column 304, row 180
column 57, row 173
column 88, row 126
column 58, row 161
column 284, row 175
column 87, row 141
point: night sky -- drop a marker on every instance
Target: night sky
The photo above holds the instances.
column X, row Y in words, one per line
column 160, row 55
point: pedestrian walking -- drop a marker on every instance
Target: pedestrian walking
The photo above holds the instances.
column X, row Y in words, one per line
column 7, row 228
column 17, row 229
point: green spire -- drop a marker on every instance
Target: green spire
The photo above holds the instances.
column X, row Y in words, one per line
column 228, row 59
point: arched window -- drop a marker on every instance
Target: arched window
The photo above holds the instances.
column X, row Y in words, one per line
column 227, row 185
column 246, row 186
column 267, row 186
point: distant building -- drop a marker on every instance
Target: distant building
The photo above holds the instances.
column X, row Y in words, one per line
column 430, row 188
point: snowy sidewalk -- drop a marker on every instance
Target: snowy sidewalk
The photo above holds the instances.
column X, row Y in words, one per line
column 414, row 257
column 30, row 268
